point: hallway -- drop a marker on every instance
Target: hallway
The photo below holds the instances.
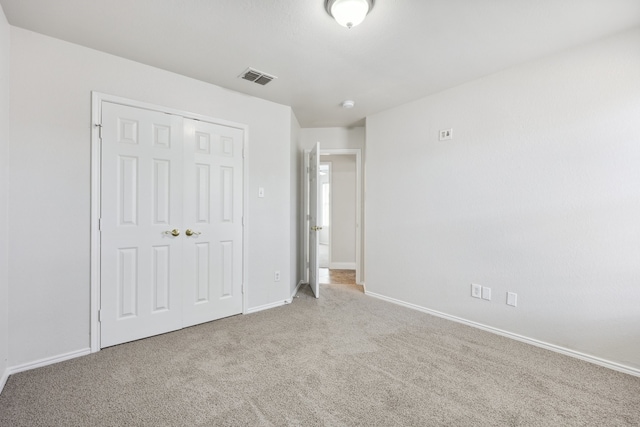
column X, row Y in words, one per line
column 337, row 277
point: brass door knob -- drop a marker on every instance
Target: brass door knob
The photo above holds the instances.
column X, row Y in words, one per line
column 190, row 232
column 175, row 232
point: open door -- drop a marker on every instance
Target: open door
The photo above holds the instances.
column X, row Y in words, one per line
column 314, row 242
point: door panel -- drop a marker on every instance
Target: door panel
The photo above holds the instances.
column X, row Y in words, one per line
column 160, row 173
column 141, row 185
column 314, row 215
column 213, row 210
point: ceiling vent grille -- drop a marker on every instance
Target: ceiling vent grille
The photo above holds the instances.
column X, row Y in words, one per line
column 256, row 76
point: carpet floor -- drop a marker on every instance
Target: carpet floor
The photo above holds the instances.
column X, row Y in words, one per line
column 342, row 360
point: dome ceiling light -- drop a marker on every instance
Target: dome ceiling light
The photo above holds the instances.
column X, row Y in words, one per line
column 348, row 13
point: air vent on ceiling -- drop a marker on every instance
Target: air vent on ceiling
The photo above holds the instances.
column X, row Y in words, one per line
column 256, row 76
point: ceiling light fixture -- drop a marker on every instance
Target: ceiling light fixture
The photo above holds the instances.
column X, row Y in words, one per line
column 348, row 13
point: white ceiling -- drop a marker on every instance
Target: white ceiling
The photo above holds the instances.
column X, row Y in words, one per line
column 405, row 49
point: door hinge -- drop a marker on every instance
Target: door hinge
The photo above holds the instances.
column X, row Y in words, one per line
column 243, row 221
column 99, row 126
column 99, row 315
column 99, row 224
column 308, row 170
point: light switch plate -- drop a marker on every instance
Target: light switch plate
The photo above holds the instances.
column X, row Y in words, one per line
column 486, row 293
column 512, row 299
column 261, row 192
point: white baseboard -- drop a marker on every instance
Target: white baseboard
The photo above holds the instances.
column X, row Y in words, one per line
column 3, row 379
column 40, row 363
column 342, row 266
column 556, row 348
column 295, row 291
column 49, row 361
column 268, row 306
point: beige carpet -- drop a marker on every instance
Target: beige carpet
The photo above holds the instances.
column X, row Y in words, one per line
column 345, row 359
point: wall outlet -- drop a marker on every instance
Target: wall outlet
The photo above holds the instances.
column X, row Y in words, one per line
column 261, row 192
column 446, row 134
column 276, row 276
column 476, row 291
column 512, row 299
column 486, row 293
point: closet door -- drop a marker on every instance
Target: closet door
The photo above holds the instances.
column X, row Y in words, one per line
column 213, row 199
column 141, row 223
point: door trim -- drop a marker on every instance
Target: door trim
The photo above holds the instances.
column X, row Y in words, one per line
column 359, row 220
column 97, row 99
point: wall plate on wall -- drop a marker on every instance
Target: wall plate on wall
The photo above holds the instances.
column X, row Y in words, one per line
column 512, row 299
column 446, row 134
column 476, row 290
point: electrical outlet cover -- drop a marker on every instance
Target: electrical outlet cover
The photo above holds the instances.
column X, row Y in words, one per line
column 476, row 291
column 486, row 293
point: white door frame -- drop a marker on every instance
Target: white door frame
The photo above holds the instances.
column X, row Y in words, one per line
column 97, row 99
column 336, row 151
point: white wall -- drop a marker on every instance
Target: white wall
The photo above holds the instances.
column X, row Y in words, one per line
column 4, row 182
column 332, row 138
column 538, row 193
column 51, row 84
column 343, row 210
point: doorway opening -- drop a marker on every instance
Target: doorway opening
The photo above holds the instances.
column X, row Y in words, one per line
column 344, row 241
column 338, row 185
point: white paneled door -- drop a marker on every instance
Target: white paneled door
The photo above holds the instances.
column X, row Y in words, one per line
column 212, row 202
column 171, row 223
column 314, row 224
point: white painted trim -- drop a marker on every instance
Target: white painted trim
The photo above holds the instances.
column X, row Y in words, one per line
column 96, row 118
column 162, row 109
column 245, row 219
column 295, row 291
column 49, row 361
column 359, row 191
column 3, row 379
column 268, row 306
column 342, row 266
column 97, row 99
column 555, row 348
